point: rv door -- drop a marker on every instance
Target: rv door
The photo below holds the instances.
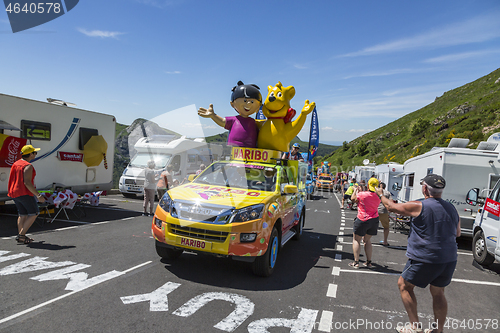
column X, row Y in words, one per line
column 491, row 220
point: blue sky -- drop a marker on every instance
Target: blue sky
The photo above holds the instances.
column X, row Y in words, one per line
column 364, row 63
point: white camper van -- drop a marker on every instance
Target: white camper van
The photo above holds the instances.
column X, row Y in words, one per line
column 61, row 132
column 185, row 155
column 485, row 243
column 389, row 173
column 364, row 172
column 461, row 167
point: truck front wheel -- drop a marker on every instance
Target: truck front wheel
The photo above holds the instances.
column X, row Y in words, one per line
column 480, row 251
column 264, row 265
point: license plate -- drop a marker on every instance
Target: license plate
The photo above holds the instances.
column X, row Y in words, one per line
column 194, row 243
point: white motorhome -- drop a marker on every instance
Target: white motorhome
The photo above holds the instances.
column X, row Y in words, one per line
column 364, row 172
column 461, row 167
column 485, row 243
column 61, row 133
column 184, row 155
column 389, row 173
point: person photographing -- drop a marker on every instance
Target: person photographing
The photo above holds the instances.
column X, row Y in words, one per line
column 431, row 251
column 22, row 190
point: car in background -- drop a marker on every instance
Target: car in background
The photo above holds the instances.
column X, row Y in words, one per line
column 325, row 182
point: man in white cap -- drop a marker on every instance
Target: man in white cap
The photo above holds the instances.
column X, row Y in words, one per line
column 431, row 250
column 22, row 190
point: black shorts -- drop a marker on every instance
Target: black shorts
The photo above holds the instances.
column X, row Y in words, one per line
column 347, row 196
column 421, row 273
column 369, row 227
column 26, row 205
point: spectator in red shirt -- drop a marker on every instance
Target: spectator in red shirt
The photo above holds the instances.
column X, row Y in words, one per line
column 22, row 190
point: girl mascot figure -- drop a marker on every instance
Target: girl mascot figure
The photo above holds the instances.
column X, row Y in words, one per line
column 246, row 100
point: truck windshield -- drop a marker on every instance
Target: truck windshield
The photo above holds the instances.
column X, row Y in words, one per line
column 141, row 160
column 324, row 178
column 238, row 175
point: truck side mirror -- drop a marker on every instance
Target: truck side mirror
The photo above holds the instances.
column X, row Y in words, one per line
column 472, row 197
column 191, row 177
column 290, row 189
column 396, row 187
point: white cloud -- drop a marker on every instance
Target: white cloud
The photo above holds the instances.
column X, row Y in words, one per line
column 475, row 30
column 391, row 72
column 299, row 66
column 173, row 72
column 461, row 56
column 100, row 33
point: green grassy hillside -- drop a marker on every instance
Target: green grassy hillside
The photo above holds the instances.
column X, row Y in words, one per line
column 471, row 111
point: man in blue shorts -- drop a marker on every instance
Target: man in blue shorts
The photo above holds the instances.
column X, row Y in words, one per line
column 432, row 250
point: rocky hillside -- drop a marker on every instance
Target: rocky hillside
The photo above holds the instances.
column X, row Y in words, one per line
column 471, row 111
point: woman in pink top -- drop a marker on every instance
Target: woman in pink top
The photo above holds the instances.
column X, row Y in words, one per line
column 366, row 223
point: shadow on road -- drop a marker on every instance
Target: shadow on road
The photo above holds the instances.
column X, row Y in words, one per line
column 295, row 260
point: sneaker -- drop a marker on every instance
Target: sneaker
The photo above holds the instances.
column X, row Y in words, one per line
column 144, row 214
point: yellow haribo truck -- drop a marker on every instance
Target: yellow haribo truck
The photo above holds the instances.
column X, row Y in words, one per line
column 245, row 208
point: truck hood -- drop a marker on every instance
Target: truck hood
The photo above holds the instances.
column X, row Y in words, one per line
column 217, row 195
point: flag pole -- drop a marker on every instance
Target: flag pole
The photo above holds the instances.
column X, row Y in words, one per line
column 310, row 132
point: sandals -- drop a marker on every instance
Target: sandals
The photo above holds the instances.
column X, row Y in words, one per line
column 354, row 264
column 23, row 239
column 368, row 264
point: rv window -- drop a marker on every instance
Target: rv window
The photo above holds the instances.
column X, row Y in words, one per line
column 85, row 135
column 430, row 170
column 495, row 192
column 411, row 178
column 140, row 160
column 191, row 158
column 34, row 130
column 176, row 163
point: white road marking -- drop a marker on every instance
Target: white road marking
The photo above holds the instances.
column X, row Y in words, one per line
column 244, row 309
column 128, row 218
column 67, row 228
column 341, row 239
column 22, row 313
column 341, row 228
column 339, row 248
column 332, row 290
column 12, row 256
column 488, row 283
column 341, row 233
column 325, row 323
column 103, row 222
column 303, row 324
column 158, row 300
column 336, row 271
column 342, row 224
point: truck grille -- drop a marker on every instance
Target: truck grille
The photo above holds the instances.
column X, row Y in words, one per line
column 210, row 235
column 134, row 182
column 205, row 213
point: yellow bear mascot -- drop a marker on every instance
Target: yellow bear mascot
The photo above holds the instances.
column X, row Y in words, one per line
column 278, row 130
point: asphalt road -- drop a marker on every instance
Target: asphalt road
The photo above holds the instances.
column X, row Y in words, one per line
column 101, row 273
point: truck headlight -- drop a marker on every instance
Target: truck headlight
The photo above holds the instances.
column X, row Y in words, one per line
column 166, row 203
column 248, row 213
